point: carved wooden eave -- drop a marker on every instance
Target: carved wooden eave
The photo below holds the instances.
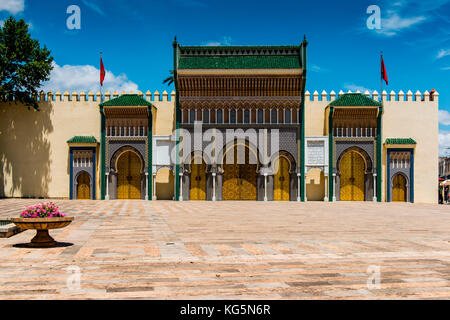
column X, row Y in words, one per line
column 236, row 102
column 350, row 113
column 126, row 111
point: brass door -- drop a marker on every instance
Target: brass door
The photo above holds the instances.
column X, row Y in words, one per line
column 129, row 176
column 281, row 180
column 239, row 180
column 399, row 188
column 83, row 186
column 352, row 169
column 198, row 181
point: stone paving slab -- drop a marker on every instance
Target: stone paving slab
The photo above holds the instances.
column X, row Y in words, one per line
column 232, row 250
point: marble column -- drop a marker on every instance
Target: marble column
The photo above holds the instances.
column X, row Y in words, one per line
column 181, row 184
column 298, row 186
column 154, row 187
column 146, row 186
column 214, row 186
column 265, row 186
column 334, row 187
column 107, row 186
column 374, row 187
column 326, row 189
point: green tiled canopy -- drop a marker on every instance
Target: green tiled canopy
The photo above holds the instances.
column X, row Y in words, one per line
column 126, row 100
column 400, row 141
column 239, row 62
column 354, row 99
column 82, row 139
column 240, row 57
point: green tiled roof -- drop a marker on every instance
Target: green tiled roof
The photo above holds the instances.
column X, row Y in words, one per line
column 221, row 48
column 239, row 62
column 82, row 139
column 354, row 99
column 126, row 100
column 400, row 141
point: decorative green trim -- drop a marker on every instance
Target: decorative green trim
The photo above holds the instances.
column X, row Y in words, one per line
column 150, row 154
column 82, row 139
column 176, row 49
column 236, row 48
column 400, row 141
column 330, row 155
column 126, row 100
column 354, row 100
column 379, row 159
column 302, row 122
column 239, row 62
column 102, row 155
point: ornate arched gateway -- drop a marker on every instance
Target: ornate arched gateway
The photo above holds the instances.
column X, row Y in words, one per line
column 129, row 175
column 198, row 178
column 255, row 91
column 355, row 170
column 284, row 176
column 83, row 186
column 352, row 168
column 127, row 148
column 399, row 188
column 239, row 177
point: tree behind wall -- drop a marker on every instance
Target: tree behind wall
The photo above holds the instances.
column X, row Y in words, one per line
column 24, row 65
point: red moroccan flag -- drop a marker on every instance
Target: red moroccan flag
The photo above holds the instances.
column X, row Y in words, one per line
column 383, row 70
column 102, row 71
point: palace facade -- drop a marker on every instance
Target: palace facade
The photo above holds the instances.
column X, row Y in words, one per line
column 239, row 126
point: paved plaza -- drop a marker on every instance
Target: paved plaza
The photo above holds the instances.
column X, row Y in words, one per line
column 133, row 249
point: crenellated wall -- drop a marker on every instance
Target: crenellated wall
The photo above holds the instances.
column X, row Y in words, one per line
column 34, row 153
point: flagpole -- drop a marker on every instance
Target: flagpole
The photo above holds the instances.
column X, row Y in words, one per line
column 101, row 85
column 381, row 78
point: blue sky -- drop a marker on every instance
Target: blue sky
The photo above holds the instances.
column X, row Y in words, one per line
column 343, row 53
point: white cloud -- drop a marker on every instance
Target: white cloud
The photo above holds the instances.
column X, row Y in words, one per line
column 353, row 87
column 444, row 143
column 316, row 68
column 85, row 78
column 442, row 53
column 12, row 6
column 394, row 23
column 94, row 6
column 225, row 41
column 444, row 117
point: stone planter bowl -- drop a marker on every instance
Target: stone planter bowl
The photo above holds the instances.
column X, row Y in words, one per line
column 42, row 239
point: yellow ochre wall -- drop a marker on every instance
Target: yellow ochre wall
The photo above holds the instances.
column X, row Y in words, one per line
column 34, row 154
column 417, row 120
column 405, row 116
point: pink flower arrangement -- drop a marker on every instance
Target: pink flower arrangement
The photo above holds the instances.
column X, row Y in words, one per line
column 42, row 210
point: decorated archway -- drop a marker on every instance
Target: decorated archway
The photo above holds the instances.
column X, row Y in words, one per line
column 197, row 189
column 128, row 166
column 83, row 186
column 399, row 188
column 239, row 179
column 352, row 178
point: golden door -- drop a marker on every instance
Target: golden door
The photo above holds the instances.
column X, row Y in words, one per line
column 399, row 188
column 198, row 181
column 129, row 176
column 352, row 177
column 239, row 180
column 83, row 187
column 281, row 180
